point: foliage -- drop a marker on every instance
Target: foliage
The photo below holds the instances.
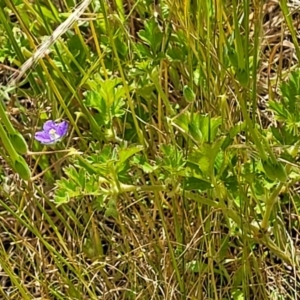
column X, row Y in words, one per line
column 168, row 183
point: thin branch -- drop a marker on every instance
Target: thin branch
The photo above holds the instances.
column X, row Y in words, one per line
column 59, row 31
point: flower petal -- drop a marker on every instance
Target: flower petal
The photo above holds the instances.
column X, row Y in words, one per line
column 43, row 137
column 62, row 128
column 48, row 125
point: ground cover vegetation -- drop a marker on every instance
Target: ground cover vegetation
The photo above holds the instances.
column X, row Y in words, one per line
column 149, row 149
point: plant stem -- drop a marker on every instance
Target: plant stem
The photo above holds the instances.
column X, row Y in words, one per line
column 271, row 201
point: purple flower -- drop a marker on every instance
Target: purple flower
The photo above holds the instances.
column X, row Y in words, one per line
column 52, row 132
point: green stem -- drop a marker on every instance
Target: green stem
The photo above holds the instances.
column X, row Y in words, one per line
column 269, row 206
column 4, row 118
column 147, row 188
column 253, row 132
column 289, row 21
column 129, row 99
column 155, row 79
column 256, row 51
column 271, row 202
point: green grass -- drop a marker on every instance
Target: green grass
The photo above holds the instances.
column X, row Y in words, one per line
column 178, row 178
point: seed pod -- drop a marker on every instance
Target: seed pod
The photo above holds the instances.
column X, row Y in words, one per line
column 22, row 168
column 275, row 170
column 188, row 94
column 18, row 143
column 280, row 172
column 270, row 169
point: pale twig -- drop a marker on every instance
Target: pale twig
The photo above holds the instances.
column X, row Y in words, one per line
column 43, row 48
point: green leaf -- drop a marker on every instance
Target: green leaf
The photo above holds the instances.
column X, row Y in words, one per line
column 79, row 177
column 110, row 91
column 121, row 46
column 152, row 35
column 183, row 121
column 96, row 101
column 195, row 130
column 205, row 156
column 290, row 91
column 51, row 15
column 176, row 54
column 233, row 132
column 192, row 183
column 201, row 157
column 279, row 109
column 209, row 127
column 117, row 108
column 143, row 50
column 76, row 48
column 66, row 190
column 111, row 209
column 287, row 110
column 284, row 136
column 140, row 161
column 202, row 127
column 76, row 184
column 196, row 266
column 242, row 76
column 145, row 91
column 127, row 152
column 233, row 57
column 172, row 159
column 238, row 295
column 107, row 99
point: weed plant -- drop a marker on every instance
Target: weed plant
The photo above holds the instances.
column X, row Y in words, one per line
column 178, row 177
